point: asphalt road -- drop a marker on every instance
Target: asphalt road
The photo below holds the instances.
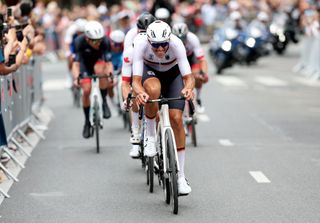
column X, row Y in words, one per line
column 258, row 158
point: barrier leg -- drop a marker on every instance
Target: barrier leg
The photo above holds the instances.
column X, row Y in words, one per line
column 13, row 157
column 25, row 138
column 35, row 130
column 20, row 147
column 4, row 193
column 7, row 173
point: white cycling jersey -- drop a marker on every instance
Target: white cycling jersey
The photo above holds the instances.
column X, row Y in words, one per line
column 129, row 38
column 72, row 29
column 126, row 70
column 193, row 46
column 143, row 54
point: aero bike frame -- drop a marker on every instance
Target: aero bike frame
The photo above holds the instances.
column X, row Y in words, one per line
column 95, row 96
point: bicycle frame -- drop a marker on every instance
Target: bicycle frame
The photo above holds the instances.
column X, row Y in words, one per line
column 95, row 94
column 164, row 125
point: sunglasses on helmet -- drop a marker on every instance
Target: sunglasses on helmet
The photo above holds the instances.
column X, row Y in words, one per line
column 157, row 45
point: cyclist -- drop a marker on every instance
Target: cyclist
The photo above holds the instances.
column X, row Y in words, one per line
column 196, row 59
column 92, row 47
column 116, row 42
column 142, row 23
column 160, row 67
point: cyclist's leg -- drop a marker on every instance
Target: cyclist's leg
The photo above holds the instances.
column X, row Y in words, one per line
column 86, row 90
column 152, row 86
column 172, row 88
column 100, row 70
column 135, row 128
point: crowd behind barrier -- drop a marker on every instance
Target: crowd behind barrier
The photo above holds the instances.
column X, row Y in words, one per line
column 21, row 94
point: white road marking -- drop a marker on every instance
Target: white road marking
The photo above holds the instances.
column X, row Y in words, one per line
column 230, row 81
column 225, row 142
column 270, row 81
column 307, row 82
column 54, row 85
column 49, row 194
column 259, row 177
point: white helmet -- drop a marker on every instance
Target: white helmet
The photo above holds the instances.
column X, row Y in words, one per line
column 162, row 13
column 94, row 30
column 180, row 30
column 81, row 24
column 158, row 32
column 117, row 36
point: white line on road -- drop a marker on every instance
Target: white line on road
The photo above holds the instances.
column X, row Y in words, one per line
column 230, row 81
column 271, row 81
column 49, row 194
column 259, row 177
column 226, row 142
column 307, row 82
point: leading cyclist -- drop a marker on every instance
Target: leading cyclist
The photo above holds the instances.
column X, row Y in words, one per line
column 161, row 67
column 92, row 47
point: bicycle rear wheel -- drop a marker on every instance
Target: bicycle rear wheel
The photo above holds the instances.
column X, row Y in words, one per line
column 173, row 173
column 96, row 119
column 150, row 173
column 193, row 133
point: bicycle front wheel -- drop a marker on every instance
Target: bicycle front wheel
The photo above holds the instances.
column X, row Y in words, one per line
column 173, row 173
column 193, row 133
column 96, row 119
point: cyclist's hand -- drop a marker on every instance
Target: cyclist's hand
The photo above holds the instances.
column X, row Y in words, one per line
column 187, row 93
column 126, row 107
column 142, row 98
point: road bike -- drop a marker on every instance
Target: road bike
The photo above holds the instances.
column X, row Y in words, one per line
column 190, row 122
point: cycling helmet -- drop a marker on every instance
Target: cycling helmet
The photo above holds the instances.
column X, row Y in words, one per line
column 180, row 30
column 81, row 24
column 117, row 36
column 144, row 20
column 162, row 13
column 94, row 30
column 158, row 32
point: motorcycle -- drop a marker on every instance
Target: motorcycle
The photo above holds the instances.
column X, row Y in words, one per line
column 222, row 48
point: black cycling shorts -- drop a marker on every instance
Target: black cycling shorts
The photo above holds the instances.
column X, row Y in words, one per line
column 171, row 84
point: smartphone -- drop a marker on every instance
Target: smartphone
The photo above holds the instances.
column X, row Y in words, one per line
column 12, row 59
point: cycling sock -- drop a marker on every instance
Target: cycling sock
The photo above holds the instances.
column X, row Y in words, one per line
column 86, row 111
column 150, row 127
column 135, row 120
column 181, row 158
column 104, row 93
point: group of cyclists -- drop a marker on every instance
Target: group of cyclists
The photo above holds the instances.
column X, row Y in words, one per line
column 153, row 59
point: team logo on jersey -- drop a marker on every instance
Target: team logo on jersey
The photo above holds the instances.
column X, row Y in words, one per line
column 126, row 60
column 150, row 57
column 167, row 57
column 151, row 73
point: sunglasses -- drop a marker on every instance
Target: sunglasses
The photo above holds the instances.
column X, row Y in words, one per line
column 157, row 45
column 117, row 44
column 95, row 41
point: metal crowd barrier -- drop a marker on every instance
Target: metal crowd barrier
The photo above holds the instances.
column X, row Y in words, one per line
column 309, row 63
column 21, row 96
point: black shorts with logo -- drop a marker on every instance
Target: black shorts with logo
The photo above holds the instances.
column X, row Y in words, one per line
column 171, row 84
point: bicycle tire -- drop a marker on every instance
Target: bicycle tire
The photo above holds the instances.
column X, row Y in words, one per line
column 173, row 173
column 96, row 123
column 193, row 133
column 150, row 173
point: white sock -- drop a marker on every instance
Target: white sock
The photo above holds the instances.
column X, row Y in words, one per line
column 181, row 158
column 135, row 120
column 150, row 127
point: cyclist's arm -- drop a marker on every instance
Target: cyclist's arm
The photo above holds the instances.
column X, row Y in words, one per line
column 75, row 70
column 138, row 67
column 77, row 60
column 126, row 72
column 107, row 56
column 198, row 51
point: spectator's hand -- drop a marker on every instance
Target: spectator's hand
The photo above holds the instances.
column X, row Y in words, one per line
column 13, row 67
column 11, row 35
